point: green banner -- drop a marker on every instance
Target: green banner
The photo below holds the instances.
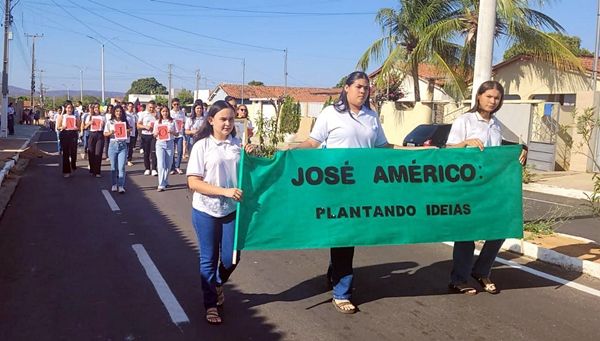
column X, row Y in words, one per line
column 349, row 197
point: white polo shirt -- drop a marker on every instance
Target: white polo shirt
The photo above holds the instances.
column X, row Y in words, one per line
column 472, row 126
column 345, row 130
column 179, row 116
column 132, row 120
column 193, row 124
column 217, row 163
column 146, row 119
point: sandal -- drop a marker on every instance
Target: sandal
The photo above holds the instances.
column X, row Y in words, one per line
column 486, row 284
column 220, row 296
column 463, row 288
column 344, row 306
column 212, row 316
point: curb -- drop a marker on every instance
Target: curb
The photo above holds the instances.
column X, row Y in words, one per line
column 533, row 251
column 555, row 190
column 13, row 160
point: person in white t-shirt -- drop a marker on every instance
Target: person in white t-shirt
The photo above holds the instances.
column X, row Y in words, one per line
column 478, row 128
column 242, row 112
column 68, row 127
column 145, row 123
column 193, row 123
column 132, row 118
column 349, row 123
column 95, row 123
column 117, row 148
column 164, row 146
column 212, row 174
column 178, row 116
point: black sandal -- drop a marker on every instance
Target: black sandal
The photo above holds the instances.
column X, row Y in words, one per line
column 487, row 285
column 463, row 288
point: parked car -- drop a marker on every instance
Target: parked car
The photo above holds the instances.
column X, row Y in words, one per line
column 428, row 135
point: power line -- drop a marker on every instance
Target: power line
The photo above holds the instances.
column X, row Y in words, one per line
column 237, row 43
column 264, row 12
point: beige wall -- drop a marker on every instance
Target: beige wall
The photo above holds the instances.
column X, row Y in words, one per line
column 527, row 78
column 398, row 122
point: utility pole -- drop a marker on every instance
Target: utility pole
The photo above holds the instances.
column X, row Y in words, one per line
column 33, row 36
column 285, row 73
column 243, row 79
column 595, row 68
column 170, row 83
column 81, row 85
column 482, row 71
column 4, row 109
column 197, row 92
column 42, row 89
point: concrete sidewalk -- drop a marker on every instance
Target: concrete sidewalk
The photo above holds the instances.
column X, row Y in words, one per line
column 13, row 145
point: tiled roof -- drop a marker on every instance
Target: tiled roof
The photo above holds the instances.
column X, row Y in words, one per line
column 588, row 63
column 299, row 94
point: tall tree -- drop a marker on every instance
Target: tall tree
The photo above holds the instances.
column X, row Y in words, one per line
column 573, row 43
column 147, row 86
column 256, row 83
column 185, row 96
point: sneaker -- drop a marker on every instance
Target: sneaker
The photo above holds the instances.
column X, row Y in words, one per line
column 179, row 171
column 114, row 188
column 66, row 175
column 121, row 190
column 159, row 189
column 154, row 173
column 147, row 172
column 172, row 172
column 98, row 175
column 141, row 151
column 129, row 163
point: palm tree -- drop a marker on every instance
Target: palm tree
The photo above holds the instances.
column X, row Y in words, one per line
column 403, row 30
column 457, row 22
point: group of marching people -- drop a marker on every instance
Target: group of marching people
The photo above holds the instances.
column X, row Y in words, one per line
column 165, row 134
column 213, row 166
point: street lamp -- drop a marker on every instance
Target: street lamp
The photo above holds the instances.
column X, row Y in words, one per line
column 80, row 82
column 68, row 93
column 102, row 61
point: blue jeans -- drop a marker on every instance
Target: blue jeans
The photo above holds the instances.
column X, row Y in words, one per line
column 117, row 153
column 462, row 257
column 178, row 144
column 164, row 158
column 340, row 272
column 214, row 235
column 189, row 139
column 85, row 137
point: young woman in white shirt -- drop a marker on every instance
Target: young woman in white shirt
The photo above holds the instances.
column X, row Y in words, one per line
column 349, row 123
column 478, row 128
column 68, row 138
column 117, row 148
column 164, row 146
column 177, row 114
column 95, row 139
column 193, row 123
column 145, row 123
column 212, row 173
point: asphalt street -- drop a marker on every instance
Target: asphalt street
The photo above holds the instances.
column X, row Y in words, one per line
column 76, row 266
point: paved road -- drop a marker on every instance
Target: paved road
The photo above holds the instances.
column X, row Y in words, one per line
column 70, row 269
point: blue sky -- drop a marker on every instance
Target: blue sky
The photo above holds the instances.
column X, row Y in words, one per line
column 322, row 48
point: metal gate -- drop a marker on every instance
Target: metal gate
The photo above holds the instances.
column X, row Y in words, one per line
column 544, row 131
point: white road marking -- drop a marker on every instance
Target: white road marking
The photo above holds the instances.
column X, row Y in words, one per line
column 548, row 202
column 111, row 202
column 162, row 288
column 544, row 275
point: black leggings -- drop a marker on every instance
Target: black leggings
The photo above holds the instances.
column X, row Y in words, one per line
column 149, row 147
column 68, row 144
column 95, row 147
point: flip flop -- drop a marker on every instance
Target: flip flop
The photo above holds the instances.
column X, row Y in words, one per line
column 463, row 289
column 487, row 285
column 343, row 305
column 212, row 316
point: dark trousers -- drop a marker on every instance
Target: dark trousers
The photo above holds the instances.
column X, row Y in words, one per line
column 11, row 124
column 95, row 148
column 106, row 142
column 132, row 141
column 68, row 144
column 148, row 145
column 462, row 260
column 340, row 272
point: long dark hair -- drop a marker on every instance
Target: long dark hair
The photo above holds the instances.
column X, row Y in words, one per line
column 485, row 86
column 198, row 103
column 123, row 117
column 206, row 129
column 342, row 103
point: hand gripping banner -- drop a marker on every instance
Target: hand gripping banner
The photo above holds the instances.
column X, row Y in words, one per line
column 322, row 198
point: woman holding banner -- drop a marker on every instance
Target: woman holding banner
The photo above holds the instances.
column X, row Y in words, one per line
column 95, row 123
column 478, row 128
column 165, row 130
column 212, row 175
column 117, row 131
column 349, row 123
column 68, row 125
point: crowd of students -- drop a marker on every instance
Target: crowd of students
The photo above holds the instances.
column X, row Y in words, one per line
column 214, row 148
